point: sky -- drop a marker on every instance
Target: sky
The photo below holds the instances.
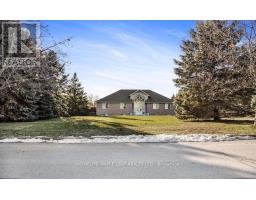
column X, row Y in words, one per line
column 113, row 55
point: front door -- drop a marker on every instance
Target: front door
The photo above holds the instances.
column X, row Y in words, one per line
column 139, row 107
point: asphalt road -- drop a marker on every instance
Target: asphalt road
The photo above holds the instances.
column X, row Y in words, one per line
column 235, row 159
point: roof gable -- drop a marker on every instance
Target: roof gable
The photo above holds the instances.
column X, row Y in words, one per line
column 139, row 91
column 124, row 96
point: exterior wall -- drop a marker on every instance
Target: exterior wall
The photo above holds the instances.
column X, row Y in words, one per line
column 160, row 111
column 114, row 109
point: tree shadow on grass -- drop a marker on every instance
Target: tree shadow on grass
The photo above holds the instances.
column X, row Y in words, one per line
column 226, row 121
column 89, row 128
column 92, row 127
column 69, row 127
column 130, row 118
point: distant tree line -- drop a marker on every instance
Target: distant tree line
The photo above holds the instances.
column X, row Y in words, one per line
column 41, row 92
column 217, row 71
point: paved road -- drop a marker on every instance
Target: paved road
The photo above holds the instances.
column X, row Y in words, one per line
column 129, row 160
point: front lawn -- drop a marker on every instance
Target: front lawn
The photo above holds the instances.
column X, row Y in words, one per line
column 123, row 125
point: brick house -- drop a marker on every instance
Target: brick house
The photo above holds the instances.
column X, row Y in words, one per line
column 134, row 102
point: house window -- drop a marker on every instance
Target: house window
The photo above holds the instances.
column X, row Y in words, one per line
column 104, row 105
column 155, row 106
column 122, row 106
column 166, row 106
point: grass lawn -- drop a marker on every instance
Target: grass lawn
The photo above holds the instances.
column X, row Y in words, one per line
column 124, row 125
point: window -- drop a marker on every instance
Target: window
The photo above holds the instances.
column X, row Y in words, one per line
column 155, row 106
column 166, row 106
column 104, row 105
column 139, row 98
column 122, row 106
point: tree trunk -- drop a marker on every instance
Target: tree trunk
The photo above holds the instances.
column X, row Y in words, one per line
column 216, row 114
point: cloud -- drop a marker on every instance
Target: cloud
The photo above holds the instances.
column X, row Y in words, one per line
column 124, row 60
column 177, row 33
column 118, row 54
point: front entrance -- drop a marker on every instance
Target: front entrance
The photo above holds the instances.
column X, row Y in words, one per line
column 139, row 98
column 139, row 107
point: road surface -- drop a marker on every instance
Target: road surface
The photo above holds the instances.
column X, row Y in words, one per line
column 235, row 159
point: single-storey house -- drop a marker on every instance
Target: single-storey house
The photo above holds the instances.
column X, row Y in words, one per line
column 134, row 102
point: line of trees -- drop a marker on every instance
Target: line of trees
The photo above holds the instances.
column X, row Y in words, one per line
column 41, row 92
column 217, row 71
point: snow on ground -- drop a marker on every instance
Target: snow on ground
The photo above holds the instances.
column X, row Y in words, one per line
column 132, row 138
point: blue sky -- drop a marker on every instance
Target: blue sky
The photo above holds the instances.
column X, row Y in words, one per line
column 113, row 55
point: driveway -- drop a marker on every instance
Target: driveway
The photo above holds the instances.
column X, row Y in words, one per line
column 236, row 159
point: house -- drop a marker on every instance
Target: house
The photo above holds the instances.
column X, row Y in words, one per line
column 134, row 102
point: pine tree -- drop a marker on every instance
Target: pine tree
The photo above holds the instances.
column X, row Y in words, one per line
column 77, row 99
column 53, row 83
column 31, row 93
column 18, row 90
column 253, row 105
column 248, row 50
column 207, row 75
column 18, row 99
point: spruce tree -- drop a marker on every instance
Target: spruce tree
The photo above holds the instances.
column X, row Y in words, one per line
column 253, row 105
column 30, row 93
column 206, row 70
column 77, row 99
column 248, row 50
column 53, row 83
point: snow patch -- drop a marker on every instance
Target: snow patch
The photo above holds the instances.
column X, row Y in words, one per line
column 132, row 138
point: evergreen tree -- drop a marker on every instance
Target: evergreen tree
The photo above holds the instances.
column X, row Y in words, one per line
column 253, row 105
column 77, row 99
column 172, row 98
column 53, row 101
column 30, row 93
column 208, row 70
column 248, row 50
column 18, row 90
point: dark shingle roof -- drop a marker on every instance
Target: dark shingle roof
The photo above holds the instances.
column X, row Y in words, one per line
column 123, row 96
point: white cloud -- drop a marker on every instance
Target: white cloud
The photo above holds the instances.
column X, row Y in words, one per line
column 176, row 33
column 118, row 54
column 133, row 60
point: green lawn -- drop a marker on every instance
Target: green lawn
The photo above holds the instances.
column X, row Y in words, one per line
column 124, row 125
